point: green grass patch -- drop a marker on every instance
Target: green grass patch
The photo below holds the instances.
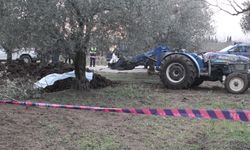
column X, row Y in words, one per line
column 144, row 132
column 95, row 141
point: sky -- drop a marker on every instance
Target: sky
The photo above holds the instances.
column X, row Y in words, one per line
column 226, row 24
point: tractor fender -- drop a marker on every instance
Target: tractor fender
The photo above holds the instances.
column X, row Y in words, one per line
column 187, row 55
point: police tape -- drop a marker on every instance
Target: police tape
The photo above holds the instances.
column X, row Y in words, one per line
column 233, row 115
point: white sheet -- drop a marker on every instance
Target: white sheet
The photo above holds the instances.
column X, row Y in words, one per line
column 52, row 78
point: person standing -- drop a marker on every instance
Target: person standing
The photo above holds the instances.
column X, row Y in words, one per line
column 92, row 56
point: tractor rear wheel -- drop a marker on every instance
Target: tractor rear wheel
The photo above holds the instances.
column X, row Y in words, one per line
column 197, row 82
column 178, row 72
column 236, row 83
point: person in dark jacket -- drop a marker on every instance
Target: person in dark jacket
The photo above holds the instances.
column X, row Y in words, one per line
column 92, row 56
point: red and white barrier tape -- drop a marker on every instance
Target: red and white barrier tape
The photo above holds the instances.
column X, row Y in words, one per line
column 234, row 115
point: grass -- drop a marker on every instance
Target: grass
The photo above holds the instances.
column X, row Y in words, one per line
column 72, row 129
column 96, row 141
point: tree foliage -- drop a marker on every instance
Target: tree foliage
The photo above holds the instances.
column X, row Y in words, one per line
column 245, row 21
column 177, row 23
column 13, row 28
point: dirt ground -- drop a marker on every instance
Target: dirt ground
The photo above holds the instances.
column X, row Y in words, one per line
column 43, row 128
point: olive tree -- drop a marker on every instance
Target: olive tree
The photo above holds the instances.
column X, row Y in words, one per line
column 177, row 23
column 69, row 25
column 13, row 31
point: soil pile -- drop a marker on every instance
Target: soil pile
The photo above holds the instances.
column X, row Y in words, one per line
column 2, row 67
column 35, row 70
column 60, row 85
column 53, row 68
column 18, row 69
column 99, row 82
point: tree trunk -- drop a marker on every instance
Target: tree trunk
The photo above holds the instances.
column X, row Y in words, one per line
column 44, row 58
column 8, row 52
column 81, row 83
column 9, row 56
column 55, row 56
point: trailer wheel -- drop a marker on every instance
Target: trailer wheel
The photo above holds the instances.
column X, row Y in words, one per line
column 236, row 83
column 178, row 72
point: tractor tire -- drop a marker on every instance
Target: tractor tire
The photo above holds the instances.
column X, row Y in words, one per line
column 236, row 83
column 26, row 58
column 197, row 82
column 178, row 72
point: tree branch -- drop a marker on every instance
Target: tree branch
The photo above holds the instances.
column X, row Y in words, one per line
column 237, row 9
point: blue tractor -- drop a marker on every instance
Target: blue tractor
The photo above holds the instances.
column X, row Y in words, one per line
column 181, row 69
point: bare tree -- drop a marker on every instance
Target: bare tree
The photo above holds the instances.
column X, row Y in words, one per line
column 231, row 7
column 235, row 8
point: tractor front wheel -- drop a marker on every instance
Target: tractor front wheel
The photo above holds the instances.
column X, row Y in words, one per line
column 236, row 83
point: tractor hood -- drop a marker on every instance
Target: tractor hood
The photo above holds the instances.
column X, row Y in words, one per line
column 218, row 58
